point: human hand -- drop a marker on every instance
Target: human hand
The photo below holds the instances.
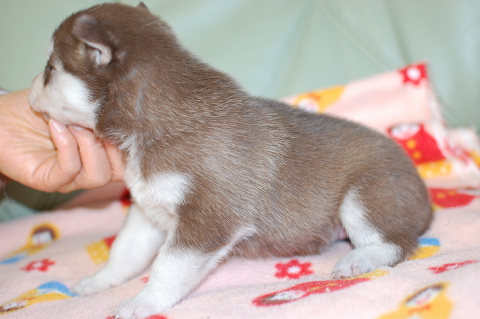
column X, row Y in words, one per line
column 52, row 157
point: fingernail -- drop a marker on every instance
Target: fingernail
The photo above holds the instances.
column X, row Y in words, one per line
column 77, row 128
column 59, row 127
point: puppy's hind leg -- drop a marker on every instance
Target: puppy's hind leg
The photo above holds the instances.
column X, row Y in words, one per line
column 371, row 250
column 132, row 251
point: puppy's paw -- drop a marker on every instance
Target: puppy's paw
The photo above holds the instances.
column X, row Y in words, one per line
column 365, row 259
column 352, row 265
column 137, row 308
column 93, row 285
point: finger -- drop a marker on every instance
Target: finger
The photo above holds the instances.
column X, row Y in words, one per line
column 96, row 170
column 116, row 161
column 67, row 163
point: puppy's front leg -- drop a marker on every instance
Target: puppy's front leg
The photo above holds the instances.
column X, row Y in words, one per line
column 132, row 251
column 175, row 272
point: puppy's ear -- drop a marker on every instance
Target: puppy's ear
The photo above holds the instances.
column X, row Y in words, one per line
column 142, row 5
column 94, row 34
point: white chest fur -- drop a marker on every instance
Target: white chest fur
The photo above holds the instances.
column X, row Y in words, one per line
column 159, row 195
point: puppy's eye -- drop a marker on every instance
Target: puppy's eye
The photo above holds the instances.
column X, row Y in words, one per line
column 49, row 67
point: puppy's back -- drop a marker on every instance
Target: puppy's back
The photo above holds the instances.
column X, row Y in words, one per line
column 322, row 159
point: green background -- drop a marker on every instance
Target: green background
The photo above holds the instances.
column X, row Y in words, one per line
column 276, row 48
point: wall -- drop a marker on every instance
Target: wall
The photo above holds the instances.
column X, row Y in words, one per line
column 276, row 48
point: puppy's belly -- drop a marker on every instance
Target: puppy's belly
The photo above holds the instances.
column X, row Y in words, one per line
column 264, row 246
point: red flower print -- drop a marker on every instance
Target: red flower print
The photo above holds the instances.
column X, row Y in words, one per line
column 144, row 279
column 42, row 265
column 414, row 73
column 448, row 198
column 293, row 269
column 447, row 267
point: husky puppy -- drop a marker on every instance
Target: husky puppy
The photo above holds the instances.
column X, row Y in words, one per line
column 214, row 171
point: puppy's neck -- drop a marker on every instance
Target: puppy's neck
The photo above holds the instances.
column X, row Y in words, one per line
column 161, row 108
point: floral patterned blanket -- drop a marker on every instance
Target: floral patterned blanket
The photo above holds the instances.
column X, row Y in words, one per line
column 43, row 256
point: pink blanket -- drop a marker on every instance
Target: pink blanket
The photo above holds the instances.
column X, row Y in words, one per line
column 43, row 256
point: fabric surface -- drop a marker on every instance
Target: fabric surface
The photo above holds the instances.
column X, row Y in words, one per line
column 43, row 256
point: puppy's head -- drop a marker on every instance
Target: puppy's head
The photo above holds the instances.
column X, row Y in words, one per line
column 89, row 53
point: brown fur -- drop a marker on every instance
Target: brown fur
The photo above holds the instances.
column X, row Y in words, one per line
column 252, row 161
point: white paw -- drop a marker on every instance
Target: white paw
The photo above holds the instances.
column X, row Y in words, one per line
column 137, row 308
column 93, row 285
column 365, row 259
column 352, row 265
